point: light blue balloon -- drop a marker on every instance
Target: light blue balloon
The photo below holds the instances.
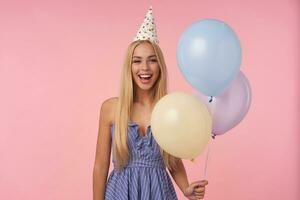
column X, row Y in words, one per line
column 209, row 56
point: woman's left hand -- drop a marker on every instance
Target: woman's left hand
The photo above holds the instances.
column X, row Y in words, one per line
column 195, row 190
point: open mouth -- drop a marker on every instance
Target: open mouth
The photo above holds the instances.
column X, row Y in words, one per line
column 145, row 76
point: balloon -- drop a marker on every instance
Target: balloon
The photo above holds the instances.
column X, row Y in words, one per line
column 231, row 106
column 209, row 55
column 181, row 124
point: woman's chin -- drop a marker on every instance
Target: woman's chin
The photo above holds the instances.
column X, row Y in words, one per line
column 145, row 86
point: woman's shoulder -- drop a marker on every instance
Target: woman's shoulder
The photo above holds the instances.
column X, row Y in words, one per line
column 108, row 109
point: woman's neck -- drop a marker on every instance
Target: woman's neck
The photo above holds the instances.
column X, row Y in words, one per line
column 144, row 97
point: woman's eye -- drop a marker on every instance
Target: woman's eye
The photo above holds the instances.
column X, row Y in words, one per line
column 138, row 61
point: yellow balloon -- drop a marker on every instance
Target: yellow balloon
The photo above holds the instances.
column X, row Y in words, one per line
column 181, row 124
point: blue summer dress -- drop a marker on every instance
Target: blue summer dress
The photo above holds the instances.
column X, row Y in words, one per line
column 145, row 177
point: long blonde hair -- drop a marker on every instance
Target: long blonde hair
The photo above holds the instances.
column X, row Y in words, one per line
column 125, row 103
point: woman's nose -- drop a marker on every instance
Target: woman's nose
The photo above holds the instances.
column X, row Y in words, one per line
column 144, row 65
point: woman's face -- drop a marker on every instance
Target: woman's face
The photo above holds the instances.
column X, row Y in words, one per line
column 145, row 68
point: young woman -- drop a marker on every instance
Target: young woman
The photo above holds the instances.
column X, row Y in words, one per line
column 139, row 163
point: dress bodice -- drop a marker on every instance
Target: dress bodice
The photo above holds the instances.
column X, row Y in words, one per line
column 144, row 150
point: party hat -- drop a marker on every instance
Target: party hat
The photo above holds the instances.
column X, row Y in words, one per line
column 147, row 30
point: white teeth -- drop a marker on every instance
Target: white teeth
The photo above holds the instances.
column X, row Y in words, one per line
column 145, row 76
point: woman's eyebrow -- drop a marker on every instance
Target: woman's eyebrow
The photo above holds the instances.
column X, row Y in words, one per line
column 141, row 57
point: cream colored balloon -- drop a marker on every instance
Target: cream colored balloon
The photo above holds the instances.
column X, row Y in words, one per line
column 181, row 124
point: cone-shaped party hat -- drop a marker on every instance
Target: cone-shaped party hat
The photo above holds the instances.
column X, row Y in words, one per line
column 147, row 30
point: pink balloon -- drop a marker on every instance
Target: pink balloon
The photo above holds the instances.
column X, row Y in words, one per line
column 230, row 106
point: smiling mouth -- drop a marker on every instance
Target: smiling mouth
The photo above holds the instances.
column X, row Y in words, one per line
column 145, row 77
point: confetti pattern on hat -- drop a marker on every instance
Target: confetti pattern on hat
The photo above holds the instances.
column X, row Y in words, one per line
column 147, row 30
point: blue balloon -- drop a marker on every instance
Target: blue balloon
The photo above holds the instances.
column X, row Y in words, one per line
column 209, row 56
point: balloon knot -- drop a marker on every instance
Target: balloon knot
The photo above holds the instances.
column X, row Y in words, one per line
column 213, row 135
column 211, row 98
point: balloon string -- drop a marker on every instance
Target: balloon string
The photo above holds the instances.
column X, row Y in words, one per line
column 207, row 156
column 206, row 161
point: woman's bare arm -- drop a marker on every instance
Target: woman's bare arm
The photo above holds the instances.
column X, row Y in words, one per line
column 103, row 150
column 180, row 176
column 195, row 190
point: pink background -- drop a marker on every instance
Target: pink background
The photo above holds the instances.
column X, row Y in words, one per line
column 60, row 60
